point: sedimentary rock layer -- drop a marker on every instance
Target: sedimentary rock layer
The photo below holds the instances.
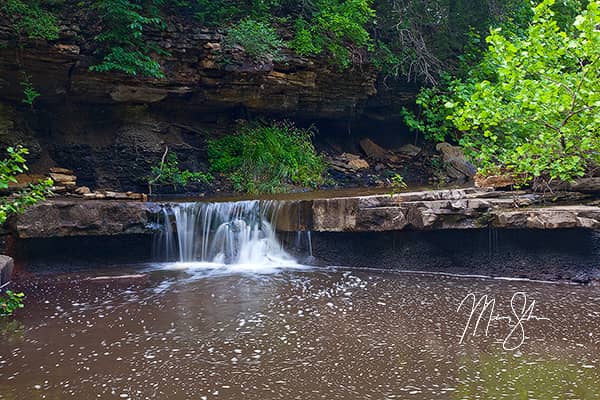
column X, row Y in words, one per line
column 467, row 208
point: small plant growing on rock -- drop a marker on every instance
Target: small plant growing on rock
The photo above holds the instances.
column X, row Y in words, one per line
column 29, row 19
column 10, row 167
column 169, row 173
column 29, row 92
column 259, row 40
column 397, row 183
column 10, row 302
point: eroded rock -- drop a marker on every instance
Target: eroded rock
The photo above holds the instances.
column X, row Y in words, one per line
column 410, row 150
column 6, row 268
column 358, row 164
column 455, row 164
column 60, row 218
column 557, row 217
column 373, row 151
column 493, row 181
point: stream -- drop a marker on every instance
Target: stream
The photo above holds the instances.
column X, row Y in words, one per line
column 185, row 331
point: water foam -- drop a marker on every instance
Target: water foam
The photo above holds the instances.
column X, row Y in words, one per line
column 224, row 237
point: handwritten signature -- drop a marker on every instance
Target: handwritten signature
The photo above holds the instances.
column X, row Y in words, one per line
column 522, row 312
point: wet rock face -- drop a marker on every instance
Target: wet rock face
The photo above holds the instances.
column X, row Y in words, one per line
column 6, row 268
column 558, row 254
column 62, row 218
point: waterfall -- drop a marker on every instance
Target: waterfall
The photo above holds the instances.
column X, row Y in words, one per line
column 224, row 233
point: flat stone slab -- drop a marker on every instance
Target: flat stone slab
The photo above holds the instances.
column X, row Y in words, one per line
column 468, row 208
column 61, row 218
column 556, row 217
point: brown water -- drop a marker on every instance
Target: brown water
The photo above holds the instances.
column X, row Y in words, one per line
column 305, row 195
column 295, row 334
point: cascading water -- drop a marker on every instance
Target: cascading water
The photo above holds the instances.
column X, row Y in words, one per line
column 238, row 233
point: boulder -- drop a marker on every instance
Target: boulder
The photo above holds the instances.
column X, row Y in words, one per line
column 372, row 150
column 6, row 267
column 347, row 163
column 24, row 180
column 62, row 178
column 348, row 157
column 457, row 167
column 58, row 189
column 63, row 171
column 493, row 181
column 586, row 185
column 583, row 185
column 83, row 190
column 409, row 150
column 467, row 208
column 358, row 164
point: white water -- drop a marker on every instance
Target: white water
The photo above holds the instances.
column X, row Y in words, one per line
column 239, row 235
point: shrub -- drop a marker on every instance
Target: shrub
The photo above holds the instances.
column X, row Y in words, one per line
column 10, row 303
column 169, row 173
column 268, row 158
column 259, row 39
column 30, row 19
column 336, row 27
column 10, row 167
column 537, row 116
column 123, row 47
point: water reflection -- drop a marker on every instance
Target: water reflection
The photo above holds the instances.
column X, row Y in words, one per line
column 527, row 377
column 295, row 335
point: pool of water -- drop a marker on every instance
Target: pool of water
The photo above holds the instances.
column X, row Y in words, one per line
column 205, row 331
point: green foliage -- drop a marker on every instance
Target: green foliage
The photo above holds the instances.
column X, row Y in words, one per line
column 213, row 13
column 169, row 173
column 538, row 115
column 220, row 12
column 265, row 158
column 10, row 302
column 10, row 167
column 527, row 104
column 398, row 183
column 431, row 118
column 259, row 39
column 30, row 19
column 336, row 27
column 123, row 47
column 29, row 92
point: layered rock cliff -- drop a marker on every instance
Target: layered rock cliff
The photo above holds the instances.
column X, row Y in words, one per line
column 110, row 127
